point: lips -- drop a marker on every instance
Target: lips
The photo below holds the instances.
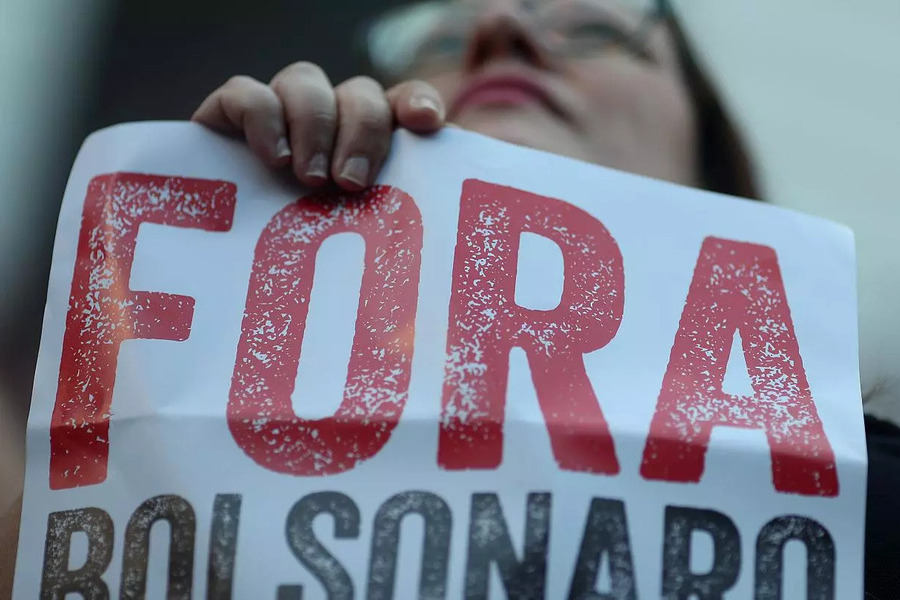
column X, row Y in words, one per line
column 503, row 91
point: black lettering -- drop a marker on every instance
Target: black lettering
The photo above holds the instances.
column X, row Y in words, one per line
column 489, row 542
column 311, row 553
column 57, row 580
column 435, row 545
column 182, row 525
column 605, row 538
column 820, row 563
column 679, row 583
column 223, row 546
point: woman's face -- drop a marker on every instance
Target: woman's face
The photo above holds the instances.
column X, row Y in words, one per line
column 626, row 110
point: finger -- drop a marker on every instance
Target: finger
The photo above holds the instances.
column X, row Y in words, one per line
column 364, row 132
column 310, row 110
column 246, row 106
column 417, row 106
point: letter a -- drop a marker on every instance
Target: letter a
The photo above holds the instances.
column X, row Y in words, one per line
column 737, row 286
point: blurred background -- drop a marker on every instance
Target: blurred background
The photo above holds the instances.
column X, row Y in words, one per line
column 814, row 83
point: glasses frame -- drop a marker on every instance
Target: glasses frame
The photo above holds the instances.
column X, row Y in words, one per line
column 660, row 11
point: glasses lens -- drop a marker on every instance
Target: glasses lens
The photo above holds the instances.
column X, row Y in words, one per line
column 585, row 28
column 428, row 36
column 411, row 35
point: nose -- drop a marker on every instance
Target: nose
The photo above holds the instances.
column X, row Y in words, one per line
column 501, row 31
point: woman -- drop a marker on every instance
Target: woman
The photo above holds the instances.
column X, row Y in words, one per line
column 603, row 81
column 597, row 80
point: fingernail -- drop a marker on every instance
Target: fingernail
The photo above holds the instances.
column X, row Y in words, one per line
column 318, row 167
column 427, row 103
column 282, row 148
column 356, row 170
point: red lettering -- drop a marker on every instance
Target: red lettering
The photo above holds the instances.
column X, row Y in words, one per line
column 260, row 413
column 737, row 286
column 104, row 312
column 485, row 324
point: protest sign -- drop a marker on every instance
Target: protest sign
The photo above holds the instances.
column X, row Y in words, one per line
column 497, row 373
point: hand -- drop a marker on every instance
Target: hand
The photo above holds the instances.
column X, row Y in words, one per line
column 325, row 133
column 9, row 538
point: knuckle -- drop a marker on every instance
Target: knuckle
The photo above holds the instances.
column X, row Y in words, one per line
column 369, row 122
column 363, row 83
column 299, row 70
column 367, row 134
column 302, row 94
column 311, row 119
column 322, row 119
column 277, row 86
column 250, row 99
column 365, row 110
column 239, row 83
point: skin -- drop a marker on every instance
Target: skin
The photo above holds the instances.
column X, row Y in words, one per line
column 619, row 110
column 616, row 110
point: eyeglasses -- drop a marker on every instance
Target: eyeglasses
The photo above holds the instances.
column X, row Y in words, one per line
column 432, row 36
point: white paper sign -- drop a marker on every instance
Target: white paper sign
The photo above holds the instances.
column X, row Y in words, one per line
column 499, row 373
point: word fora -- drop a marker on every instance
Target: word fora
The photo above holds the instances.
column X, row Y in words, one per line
column 736, row 286
column 523, row 572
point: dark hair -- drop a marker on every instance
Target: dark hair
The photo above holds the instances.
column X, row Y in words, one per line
column 723, row 158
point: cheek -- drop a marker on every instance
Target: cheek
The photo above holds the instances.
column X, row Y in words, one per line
column 637, row 117
column 633, row 97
